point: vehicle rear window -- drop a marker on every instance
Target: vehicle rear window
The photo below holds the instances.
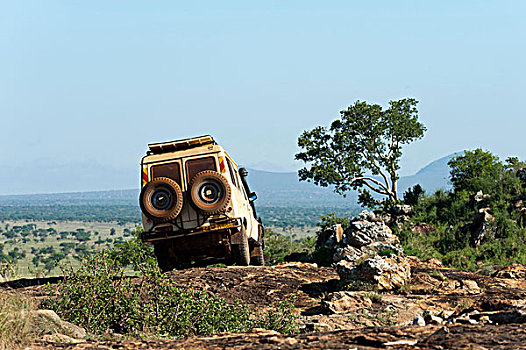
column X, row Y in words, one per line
column 171, row 170
column 195, row 166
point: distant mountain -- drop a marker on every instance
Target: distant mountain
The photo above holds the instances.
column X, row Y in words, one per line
column 284, row 189
column 432, row 177
column 273, row 189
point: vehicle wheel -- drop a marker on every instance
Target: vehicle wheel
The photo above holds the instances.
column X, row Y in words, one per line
column 210, row 191
column 161, row 199
column 164, row 260
column 257, row 255
column 242, row 251
column 256, row 251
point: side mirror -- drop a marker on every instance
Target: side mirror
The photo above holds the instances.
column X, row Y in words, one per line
column 243, row 172
column 252, row 196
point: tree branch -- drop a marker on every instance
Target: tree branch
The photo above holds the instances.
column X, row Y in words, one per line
column 384, row 175
column 385, row 190
column 377, row 190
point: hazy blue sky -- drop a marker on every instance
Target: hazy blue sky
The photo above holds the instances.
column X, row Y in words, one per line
column 92, row 82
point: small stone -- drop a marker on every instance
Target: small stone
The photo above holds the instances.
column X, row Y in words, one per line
column 323, row 327
column 485, row 319
column 431, row 319
column 471, row 287
column 408, row 342
column 402, row 209
column 434, row 262
column 419, row 321
column 446, row 314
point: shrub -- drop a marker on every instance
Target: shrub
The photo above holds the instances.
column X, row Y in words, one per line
column 99, row 296
column 277, row 247
column 329, row 220
column 323, row 256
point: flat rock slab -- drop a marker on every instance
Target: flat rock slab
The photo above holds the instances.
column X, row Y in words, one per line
column 258, row 286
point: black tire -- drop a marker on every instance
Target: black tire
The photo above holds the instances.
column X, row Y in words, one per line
column 210, row 192
column 161, row 199
column 256, row 251
column 164, row 260
column 257, row 256
column 242, row 251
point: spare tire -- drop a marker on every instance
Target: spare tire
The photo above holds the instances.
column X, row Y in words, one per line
column 210, row 192
column 161, row 199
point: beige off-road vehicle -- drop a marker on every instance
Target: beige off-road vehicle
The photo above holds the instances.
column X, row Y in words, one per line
column 197, row 207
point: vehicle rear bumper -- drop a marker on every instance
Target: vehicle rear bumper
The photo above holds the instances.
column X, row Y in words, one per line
column 227, row 227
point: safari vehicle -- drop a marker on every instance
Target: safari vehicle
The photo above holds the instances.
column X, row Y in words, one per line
column 197, row 207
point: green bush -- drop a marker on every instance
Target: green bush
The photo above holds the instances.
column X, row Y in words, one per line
column 99, row 296
column 323, row 256
column 277, row 247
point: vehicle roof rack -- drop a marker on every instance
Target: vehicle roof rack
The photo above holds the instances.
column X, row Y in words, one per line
column 177, row 145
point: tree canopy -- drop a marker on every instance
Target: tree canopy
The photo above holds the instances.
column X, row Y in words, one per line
column 476, row 170
column 361, row 149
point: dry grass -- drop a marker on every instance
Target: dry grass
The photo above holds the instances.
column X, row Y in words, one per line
column 16, row 329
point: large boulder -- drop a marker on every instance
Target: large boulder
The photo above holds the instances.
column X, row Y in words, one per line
column 347, row 253
column 48, row 322
column 371, row 254
column 367, row 235
column 366, row 229
column 383, row 273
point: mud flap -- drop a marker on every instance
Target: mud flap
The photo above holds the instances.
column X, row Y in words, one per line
column 237, row 237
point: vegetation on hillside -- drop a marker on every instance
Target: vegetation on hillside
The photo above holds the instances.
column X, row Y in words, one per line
column 76, row 212
column 486, row 190
column 36, row 248
column 282, row 217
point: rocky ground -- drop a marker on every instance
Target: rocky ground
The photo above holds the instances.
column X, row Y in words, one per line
column 451, row 309
column 375, row 297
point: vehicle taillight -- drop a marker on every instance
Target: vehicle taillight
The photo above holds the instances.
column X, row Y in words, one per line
column 144, row 175
column 222, row 165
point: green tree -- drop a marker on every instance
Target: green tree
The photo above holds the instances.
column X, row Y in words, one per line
column 413, row 195
column 362, row 149
column 474, row 171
